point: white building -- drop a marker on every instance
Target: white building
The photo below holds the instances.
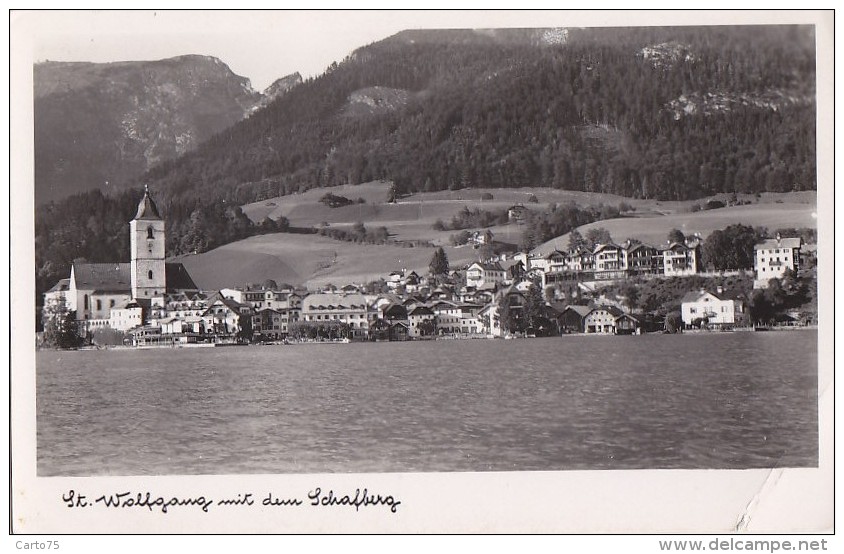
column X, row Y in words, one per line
column 420, row 316
column 680, row 259
column 773, row 257
column 716, row 309
column 350, row 309
column 479, row 273
column 126, row 316
column 448, row 316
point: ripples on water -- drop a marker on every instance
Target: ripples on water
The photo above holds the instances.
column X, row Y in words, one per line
column 738, row 400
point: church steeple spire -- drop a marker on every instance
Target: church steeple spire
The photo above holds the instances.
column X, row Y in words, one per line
column 147, row 208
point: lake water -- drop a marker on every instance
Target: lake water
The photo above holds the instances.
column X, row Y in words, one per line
column 727, row 400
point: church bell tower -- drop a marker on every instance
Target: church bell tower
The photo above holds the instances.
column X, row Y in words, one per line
column 147, row 238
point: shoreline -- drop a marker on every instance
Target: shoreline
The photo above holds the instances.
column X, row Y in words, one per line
column 448, row 338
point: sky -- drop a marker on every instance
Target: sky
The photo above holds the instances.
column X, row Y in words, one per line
column 266, row 45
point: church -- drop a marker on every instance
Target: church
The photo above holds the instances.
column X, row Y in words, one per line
column 119, row 294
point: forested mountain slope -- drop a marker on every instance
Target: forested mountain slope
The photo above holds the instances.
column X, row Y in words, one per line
column 663, row 113
column 669, row 113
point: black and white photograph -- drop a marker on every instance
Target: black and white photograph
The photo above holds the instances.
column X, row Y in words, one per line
column 353, row 264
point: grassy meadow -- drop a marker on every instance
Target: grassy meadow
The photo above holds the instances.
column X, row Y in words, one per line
column 316, row 260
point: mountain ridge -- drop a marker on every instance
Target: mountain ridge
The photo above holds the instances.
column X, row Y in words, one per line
column 101, row 125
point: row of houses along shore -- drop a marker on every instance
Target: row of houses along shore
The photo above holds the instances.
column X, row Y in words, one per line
column 151, row 302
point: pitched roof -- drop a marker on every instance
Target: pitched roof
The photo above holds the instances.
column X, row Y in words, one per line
column 63, row 284
column 781, row 243
column 639, row 245
column 613, row 311
column 333, row 301
column 675, row 246
column 104, row 277
column 233, row 305
column 177, row 277
column 395, row 310
column 421, row 310
column 147, row 208
column 488, row 266
column 695, row 295
column 582, row 311
column 127, row 305
column 637, row 318
column 599, row 247
column 117, row 277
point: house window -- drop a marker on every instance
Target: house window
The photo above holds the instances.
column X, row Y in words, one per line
column 150, row 233
column 149, row 274
column 111, row 303
column 85, row 301
column 99, row 304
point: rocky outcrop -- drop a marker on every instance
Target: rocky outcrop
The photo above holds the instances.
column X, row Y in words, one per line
column 102, row 125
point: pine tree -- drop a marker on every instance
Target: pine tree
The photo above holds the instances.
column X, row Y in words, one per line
column 576, row 240
column 439, row 263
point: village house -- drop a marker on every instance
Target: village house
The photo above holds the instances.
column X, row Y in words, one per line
column 479, row 238
column 383, row 330
column 442, row 292
column 516, row 213
column 715, row 310
column 478, row 273
column 572, row 319
column 395, row 313
column 126, row 316
column 395, row 279
column 183, row 305
column 556, row 261
column 641, row 259
column 273, row 323
column 581, row 259
column 628, row 324
column 349, row 309
column 58, row 294
column 470, row 321
column 491, row 320
column 226, row 317
column 480, row 295
column 422, row 321
column 146, row 335
column 773, row 257
column 610, row 262
column 447, row 317
column 601, row 320
column 680, row 259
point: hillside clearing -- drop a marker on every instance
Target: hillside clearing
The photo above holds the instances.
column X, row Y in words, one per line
column 412, row 217
column 315, row 260
column 309, row 260
column 654, row 230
